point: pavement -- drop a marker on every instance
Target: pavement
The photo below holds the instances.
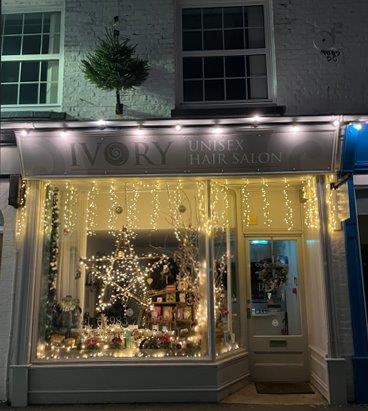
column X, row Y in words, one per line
column 189, row 407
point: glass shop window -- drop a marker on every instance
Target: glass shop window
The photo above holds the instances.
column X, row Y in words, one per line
column 226, row 297
column 224, row 54
column 124, row 271
column 30, row 54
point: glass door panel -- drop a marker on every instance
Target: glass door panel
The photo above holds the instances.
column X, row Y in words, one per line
column 274, row 304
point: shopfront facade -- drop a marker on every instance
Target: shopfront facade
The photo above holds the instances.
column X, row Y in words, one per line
column 158, row 262
column 193, row 244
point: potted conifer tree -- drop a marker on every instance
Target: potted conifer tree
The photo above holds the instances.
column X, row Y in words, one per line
column 114, row 66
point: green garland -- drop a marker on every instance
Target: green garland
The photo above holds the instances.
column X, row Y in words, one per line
column 53, row 263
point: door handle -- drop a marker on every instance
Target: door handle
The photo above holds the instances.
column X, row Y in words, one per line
column 248, row 312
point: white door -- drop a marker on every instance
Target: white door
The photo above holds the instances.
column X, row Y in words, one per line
column 275, row 314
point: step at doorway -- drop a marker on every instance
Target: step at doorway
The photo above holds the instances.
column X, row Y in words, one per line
column 249, row 395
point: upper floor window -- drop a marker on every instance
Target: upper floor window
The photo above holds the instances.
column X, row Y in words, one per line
column 30, row 51
column 225, row 54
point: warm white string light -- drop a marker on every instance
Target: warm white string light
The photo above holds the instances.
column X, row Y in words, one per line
column 113, row 216
column 204, row 222
column 266, row 205
column 70, row 203
column 91, row 212
column 175, row 201
column 46, row 207
column 220, row 205
column 310, row 206
column 333, row 222
column 289, row 217
column 245, row 203
column 155, row 190
column 22, row 213
column 132, row 202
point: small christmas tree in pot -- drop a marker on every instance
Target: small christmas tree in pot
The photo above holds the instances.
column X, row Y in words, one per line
column 114, row 66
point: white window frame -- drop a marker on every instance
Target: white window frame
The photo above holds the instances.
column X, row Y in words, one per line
column 56, row 6
column 268, row 51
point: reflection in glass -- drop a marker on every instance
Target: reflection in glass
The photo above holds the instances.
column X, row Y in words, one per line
column 274, row 286
column 227, row 308
column 124, row 270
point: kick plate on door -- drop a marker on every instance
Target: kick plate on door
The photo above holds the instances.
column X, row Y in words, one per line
column 278, row 343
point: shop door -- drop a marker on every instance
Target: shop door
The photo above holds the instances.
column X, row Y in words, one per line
column 275, row 314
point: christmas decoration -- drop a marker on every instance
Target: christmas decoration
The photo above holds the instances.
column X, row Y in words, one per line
column 266, row 204
column 51, row 304
column 114, row 66
column 120, row 274
column 91, row 212
column 289, row 214
column 22, row 213
column 273, row 274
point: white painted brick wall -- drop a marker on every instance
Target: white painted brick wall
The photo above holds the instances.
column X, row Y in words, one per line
column 150, row 25
column 306, row 82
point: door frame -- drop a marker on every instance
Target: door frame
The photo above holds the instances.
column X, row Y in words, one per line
column 295, row 343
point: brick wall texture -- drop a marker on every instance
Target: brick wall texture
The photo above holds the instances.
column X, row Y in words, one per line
column 306, row 82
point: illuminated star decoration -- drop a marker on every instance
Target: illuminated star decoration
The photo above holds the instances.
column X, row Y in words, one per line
column 121, row 277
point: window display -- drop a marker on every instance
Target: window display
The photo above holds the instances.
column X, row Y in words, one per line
column 127, row 264
column 124, row 270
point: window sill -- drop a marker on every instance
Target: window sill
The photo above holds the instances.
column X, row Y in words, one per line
column 31, row 114
column 30, row 107
column 245, row 111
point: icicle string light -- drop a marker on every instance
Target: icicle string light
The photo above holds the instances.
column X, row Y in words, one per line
column 204, row 222
column 132, row 202
column 175, row 201
column 266, row 205
column 91, row 212
column 70, row 203
column 245, row 203
column 289, row 217
column 310, row 205
column 113, row 217
column 22, row 213
column 220, row 205
column 333, row 222
column 47, row 204
column 155, row 191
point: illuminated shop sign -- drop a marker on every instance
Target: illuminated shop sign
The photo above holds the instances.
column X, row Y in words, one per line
column 195, row 151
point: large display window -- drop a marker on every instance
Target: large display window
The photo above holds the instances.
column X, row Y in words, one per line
column 126, row 269
column 157, row 267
